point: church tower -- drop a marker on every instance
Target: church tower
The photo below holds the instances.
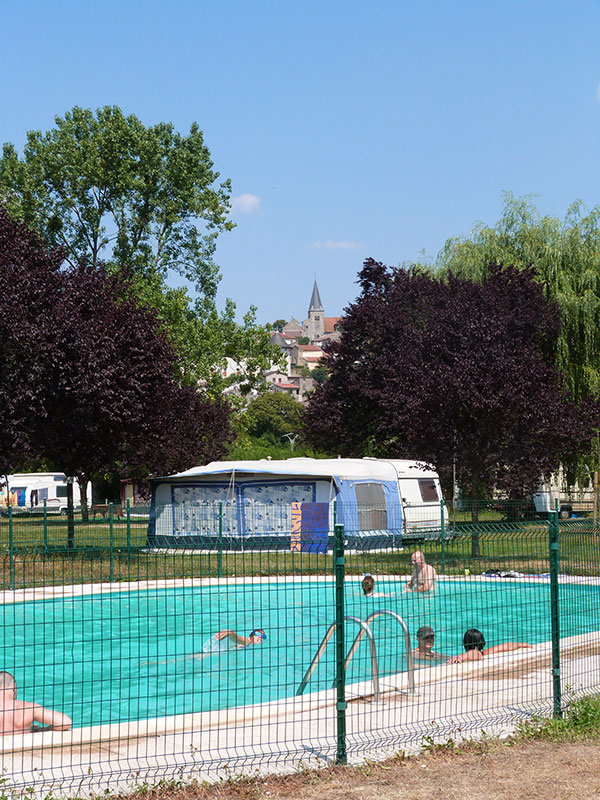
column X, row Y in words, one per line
column 314, row 326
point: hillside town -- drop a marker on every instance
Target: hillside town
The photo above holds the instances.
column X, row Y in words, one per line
column 301, row 344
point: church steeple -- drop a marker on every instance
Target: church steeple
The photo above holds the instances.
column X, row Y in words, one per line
column 315, row 324
column 315, row 300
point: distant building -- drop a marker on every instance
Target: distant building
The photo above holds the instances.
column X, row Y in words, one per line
column 317, row 328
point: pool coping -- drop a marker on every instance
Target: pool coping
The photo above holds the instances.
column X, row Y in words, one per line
column 59, row 591
column 285, row 708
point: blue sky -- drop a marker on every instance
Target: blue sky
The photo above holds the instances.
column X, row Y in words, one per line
column 348, row 129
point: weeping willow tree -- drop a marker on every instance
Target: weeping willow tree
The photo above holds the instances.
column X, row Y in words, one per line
column 565, row 254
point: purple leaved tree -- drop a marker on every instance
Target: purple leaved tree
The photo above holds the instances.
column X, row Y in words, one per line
column 88, row 382
column 454, row 373
column 113, row 398
column 29, row 275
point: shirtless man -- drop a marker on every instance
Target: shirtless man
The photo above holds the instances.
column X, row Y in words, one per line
column 424, row 576
column 424, row 649
column 18, row 716
column 474, row 644
column 255, row 637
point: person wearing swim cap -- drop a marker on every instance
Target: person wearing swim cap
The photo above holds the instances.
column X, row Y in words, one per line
column 257, row 636
column 475, row 649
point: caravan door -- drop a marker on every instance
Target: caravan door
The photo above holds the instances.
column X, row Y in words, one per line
column 421, row 502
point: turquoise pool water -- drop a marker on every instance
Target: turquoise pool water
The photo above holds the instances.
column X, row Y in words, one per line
column 115, row 657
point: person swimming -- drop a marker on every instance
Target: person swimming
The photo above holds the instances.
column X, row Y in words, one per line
column 257, row 636
column 475, row 649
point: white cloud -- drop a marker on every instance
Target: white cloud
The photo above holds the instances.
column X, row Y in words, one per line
column 245, row 203
column 329, row 245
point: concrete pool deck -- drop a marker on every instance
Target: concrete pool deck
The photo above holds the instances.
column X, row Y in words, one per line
column 451, row 700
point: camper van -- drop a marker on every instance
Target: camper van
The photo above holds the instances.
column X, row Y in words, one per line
column 27, row 491
column 294, row 504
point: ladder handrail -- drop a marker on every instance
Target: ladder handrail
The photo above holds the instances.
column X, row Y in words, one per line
column 324, row 642
column 410, row 665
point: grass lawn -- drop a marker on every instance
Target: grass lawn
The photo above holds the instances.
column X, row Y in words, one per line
column 39, row 554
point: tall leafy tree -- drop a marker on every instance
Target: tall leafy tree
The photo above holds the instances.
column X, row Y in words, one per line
column 29, row 275
column 145, row 199
column 113, row 397
column 565, row 257
column 104, row 392
column 455, row 373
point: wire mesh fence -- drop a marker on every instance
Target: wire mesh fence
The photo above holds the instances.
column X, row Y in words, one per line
column 182, row 648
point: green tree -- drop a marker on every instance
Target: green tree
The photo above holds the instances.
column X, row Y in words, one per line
column 146, row 200
column 565, row 255
column 105, row 186
column 278, row 325
column 273, row 415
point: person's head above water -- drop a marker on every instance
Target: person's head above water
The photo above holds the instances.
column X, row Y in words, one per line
column 368, row 584
column 473, row 640
column 417, row 558
column 7, row 682
column 257, row 636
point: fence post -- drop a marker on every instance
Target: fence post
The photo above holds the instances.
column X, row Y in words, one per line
column 443, row 539
column 11, row 555
column 128, row 518
column 554, row 612
column 340, row 644
column 111, row 523
column 220, row 555
column 45, row 527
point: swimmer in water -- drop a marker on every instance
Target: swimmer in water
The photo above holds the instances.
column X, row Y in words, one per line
column 474, row 644
column 424, row 649
column 368, row 587
column 257, row 636
column 19, row 716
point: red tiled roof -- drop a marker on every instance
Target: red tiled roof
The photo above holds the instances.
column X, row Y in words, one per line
column 330, row 323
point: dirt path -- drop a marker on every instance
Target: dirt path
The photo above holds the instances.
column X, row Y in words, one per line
column 491, row 771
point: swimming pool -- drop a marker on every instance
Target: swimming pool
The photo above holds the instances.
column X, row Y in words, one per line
column 128, row 655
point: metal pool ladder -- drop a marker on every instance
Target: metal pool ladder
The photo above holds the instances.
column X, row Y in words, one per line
column 365, row 628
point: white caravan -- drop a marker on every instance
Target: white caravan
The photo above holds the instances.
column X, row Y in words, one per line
column 27, row 491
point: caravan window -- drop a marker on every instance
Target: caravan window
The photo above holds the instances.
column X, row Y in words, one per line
column 61, row 491
column 372, row 509
column 429, row 492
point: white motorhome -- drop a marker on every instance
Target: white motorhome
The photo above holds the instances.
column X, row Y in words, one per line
column 252, row 501
column 27, row 491
column 572, row 501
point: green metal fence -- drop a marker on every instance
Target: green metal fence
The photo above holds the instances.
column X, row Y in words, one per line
column 157, row 653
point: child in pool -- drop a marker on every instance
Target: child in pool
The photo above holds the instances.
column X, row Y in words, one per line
column 368, row 587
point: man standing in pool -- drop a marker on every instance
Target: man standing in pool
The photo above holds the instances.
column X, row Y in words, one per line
column 18, row 716
column 257, row 636
column 424, row 576
column 474, row 644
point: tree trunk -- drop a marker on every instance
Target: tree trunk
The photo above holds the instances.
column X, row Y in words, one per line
column 85, row 513
column 474, row 528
